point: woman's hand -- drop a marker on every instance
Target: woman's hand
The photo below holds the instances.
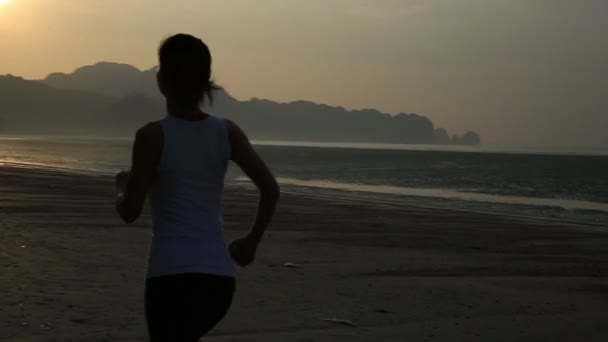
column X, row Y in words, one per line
column 243, row 250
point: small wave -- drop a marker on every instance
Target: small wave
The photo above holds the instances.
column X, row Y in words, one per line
column 566, row 204
column 50, row 167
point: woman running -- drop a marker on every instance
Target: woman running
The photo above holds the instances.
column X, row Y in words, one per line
column 181, row 161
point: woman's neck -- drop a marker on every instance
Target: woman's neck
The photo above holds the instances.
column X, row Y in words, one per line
column 193, row 113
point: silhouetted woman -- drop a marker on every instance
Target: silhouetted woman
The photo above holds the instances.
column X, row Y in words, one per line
column 181, row 160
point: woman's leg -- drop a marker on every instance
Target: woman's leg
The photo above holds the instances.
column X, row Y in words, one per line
column 186, row 307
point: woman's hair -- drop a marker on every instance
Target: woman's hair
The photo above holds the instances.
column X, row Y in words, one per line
column 185, row 70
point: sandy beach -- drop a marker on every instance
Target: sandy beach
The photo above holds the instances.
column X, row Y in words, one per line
column 72, row 271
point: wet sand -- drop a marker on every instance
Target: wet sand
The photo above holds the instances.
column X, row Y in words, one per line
column 71, row 271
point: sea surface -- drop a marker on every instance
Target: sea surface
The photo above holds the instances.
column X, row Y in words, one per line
column 547, row 185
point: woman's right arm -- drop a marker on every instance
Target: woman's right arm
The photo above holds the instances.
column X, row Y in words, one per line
column 243, row 154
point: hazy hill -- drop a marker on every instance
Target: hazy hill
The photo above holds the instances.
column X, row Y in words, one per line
column 115, row 99
column 32, row 107
column 110, row 79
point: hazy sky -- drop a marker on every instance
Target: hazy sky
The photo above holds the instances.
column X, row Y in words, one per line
column 520, row 72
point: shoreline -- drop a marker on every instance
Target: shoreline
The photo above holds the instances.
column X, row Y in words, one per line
column 238, row 183
column 523, row 218
column 455, row 200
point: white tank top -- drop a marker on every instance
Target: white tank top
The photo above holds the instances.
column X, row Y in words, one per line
column 186, row 200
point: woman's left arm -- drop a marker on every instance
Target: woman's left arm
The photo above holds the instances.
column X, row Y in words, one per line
column 132, row 186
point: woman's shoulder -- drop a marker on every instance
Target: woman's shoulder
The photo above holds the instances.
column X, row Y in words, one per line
column 151, row 135
column 150, row 130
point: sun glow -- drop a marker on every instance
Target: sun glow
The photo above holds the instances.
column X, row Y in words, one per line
column 4, row 2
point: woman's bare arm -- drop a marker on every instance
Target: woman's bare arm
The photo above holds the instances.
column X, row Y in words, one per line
column 254, row 167
column 133, row 186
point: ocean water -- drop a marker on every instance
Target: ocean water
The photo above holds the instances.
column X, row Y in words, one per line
column 552, row 186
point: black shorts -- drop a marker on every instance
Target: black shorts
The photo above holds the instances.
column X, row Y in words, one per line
column 184, row 307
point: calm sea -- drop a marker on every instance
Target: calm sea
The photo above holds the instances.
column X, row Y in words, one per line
column 565, row 187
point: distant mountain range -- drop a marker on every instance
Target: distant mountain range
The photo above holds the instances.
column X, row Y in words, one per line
column 115, row 99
